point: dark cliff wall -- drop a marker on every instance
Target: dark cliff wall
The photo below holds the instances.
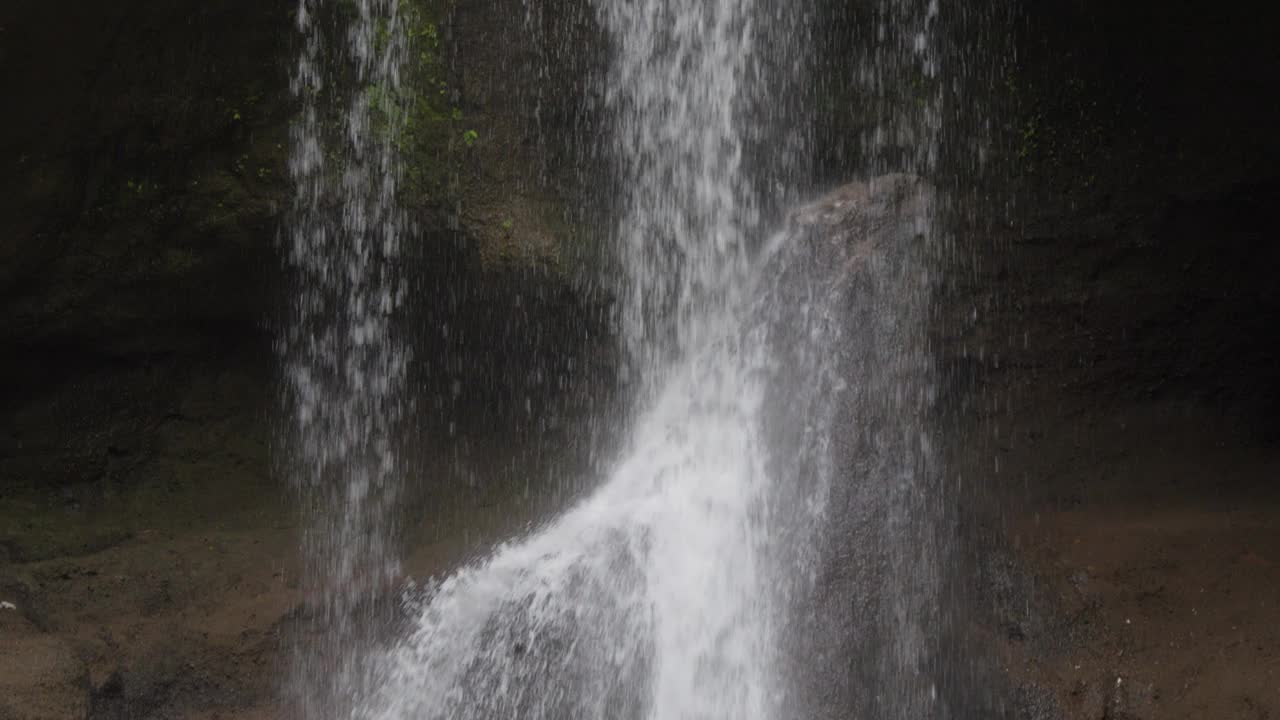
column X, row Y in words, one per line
column 1143, row 164
column 1110, row 172
column 146, row 166
column 144, row 146
column 148, row 147
column 1117, row 231
column 143, row 191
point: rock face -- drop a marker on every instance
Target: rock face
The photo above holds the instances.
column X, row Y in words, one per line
column 884, row 629
column 848, row 225
column 142, row 191
column 138, row 213
column 148, row 178
column 137, row 222
column 139, row 219
column 855, row 259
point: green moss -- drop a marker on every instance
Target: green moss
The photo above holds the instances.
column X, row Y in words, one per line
column 417, row 117
column 1060, row 131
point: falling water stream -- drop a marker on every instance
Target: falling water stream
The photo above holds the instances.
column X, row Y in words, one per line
column 690, row 583
column 344, row 363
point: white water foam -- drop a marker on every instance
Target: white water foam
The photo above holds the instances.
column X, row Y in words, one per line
column 645, row 600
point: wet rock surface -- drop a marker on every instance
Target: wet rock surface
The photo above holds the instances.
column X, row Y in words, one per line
column 1111, row 521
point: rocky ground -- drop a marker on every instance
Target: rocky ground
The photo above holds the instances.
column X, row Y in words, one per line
column 149, row 556
column 1150, row 575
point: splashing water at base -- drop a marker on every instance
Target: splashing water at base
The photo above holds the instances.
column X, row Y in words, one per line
column 642, row 601
column 674, row 591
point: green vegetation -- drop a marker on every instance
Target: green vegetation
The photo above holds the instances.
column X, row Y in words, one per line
column 416, row 117
column 1060, row 131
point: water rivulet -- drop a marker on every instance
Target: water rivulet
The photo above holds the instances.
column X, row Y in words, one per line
column 344, row 363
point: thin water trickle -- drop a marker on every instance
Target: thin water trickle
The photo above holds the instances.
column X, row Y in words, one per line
column 344, row 364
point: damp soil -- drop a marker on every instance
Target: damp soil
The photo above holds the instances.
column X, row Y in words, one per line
column 149, row 556
column 192, row 612
column 1147, row 552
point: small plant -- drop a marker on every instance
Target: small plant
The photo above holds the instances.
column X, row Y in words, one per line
column 470, row 137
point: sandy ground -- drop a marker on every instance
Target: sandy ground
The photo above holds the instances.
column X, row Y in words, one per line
column 167, row 626
column 1152, row 542
column 193, row 622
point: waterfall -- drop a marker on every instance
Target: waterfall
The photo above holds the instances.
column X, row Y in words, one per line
column 782, row 384
column 653, row 596
column 678, row 88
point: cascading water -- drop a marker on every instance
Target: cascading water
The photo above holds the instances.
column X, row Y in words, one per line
column 690, row 584
column 344, row 365
column 678, row 85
